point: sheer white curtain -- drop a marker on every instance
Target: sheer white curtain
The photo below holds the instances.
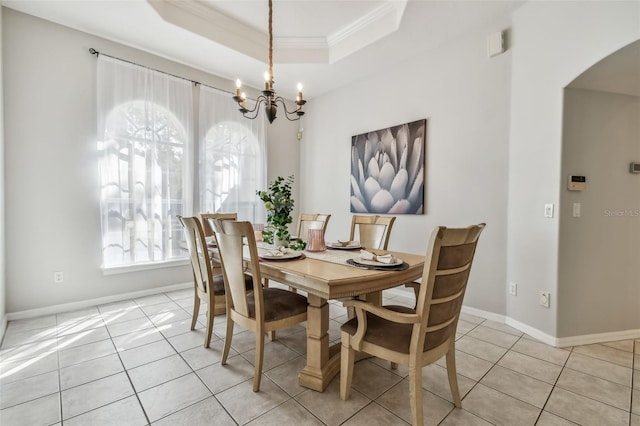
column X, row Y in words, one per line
column 232, row 160
column 145, row 152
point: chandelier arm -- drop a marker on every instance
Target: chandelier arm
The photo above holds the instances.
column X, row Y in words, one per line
column 288, row 113
column 256, row 109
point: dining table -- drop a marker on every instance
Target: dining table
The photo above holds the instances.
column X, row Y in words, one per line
column 327, row 275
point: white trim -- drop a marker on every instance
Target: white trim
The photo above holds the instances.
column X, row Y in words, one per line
column 589, row 339
column 3, row 327
column 491, row 316
column 49, row 310
column 558, row 342
column 112, row 270
column 533, row 332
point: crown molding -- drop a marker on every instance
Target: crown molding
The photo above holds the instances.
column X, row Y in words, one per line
column 205, row 20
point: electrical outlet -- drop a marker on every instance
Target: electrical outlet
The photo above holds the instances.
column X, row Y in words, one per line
column 545, row 299
column 513, row 289
column 58, row 277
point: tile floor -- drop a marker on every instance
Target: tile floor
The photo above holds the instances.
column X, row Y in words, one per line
column 136, row 363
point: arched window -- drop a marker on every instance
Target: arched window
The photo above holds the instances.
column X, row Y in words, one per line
column 231, row 179
column 144, row 158
column 232, row 158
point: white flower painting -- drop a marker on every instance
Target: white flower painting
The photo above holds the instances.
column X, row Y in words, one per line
column 387, row 170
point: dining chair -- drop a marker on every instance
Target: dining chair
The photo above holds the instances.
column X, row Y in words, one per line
column 373, row 232
column 208, row 282
column 308, row 221
column 205, row 217
column 421, row 336
column 265, row 309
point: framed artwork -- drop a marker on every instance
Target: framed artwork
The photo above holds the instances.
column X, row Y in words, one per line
column 387, row 170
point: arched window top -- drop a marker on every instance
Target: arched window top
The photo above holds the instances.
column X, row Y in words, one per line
column 144, row 121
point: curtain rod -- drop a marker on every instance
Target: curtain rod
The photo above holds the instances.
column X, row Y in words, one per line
column 95, row 52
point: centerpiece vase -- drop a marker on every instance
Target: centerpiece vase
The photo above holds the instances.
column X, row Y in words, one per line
column 281, row 242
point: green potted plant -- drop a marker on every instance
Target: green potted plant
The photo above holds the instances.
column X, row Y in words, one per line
column 279, row 204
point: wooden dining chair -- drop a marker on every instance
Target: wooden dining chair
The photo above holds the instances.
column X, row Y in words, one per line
column 261, row 311
column 208, row 282
column 205, row 217
column 308, row 221
column 421, row 336
column 373, row 232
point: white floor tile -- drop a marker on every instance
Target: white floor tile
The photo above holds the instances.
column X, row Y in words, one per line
column 125, row 412
column 38, row 412
column 28, row 389
column 170, row 397
column 92, row 395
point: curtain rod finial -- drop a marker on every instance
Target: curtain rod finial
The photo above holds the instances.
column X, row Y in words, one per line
column 93, row 51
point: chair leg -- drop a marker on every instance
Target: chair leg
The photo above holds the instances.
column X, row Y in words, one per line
column 453, row 376
column 347, row 356
column 207, row 339
column 394, row 365
column 415, row 393
column 272, row 335
column 227, row 341
column 258, row 361
column 196, row 310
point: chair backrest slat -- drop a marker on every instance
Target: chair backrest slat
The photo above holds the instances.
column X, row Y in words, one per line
column 444, row 281
column 198, row 252
column 237, row 259
column 206, row 217
column 373, row 232
column 308, row 221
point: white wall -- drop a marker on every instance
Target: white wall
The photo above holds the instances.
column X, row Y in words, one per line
column 599, row 252
column 3, row 275
column 283, row 153
column 553, row 42
column 464, row 95
column 51, row 176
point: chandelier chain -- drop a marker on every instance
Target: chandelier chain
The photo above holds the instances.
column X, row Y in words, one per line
column 269, row 99
column 270, row 40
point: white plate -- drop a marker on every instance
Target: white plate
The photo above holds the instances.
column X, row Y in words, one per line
column 351, row 246
column 291, row 254
column 365, row 262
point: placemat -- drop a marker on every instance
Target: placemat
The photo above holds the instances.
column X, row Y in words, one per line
column 401, row 267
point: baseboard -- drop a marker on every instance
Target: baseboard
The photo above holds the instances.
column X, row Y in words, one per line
column 483, row 314
column 589, row 339
column 561, row 342
column 558, row 342
column 533, row 332
column 73, row 306
column 3, row 327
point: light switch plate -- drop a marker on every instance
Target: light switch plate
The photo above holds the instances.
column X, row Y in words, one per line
column 548, row 210
column 576, row 209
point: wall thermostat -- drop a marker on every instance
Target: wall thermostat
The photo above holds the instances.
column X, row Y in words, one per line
column 577, row 183
column 634, row 168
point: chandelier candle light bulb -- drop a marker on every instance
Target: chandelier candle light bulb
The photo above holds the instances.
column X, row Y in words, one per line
column 238, row 86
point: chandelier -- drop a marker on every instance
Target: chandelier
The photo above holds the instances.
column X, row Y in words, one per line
column 269, row 99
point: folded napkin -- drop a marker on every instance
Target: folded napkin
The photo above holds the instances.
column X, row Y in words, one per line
column 280, row 251
column 347, row 243
column 386, row 258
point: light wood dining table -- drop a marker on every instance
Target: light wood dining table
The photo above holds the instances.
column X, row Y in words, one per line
column 323, row 280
